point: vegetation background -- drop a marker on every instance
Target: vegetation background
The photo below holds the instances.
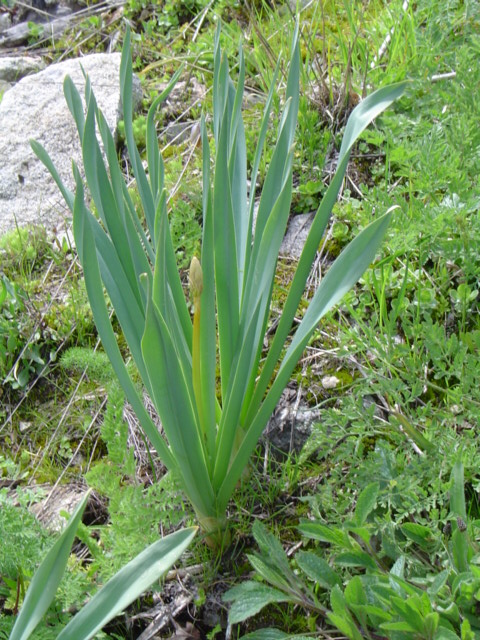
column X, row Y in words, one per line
column 372, row 529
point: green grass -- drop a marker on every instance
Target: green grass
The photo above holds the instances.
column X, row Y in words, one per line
column 406, row 339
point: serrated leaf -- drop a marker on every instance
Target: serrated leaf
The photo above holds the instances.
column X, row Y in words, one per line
column 354, row 592
column 249, row 598
column 268, row 571
column 270, row 547
column 337, row 601
column 346, row 626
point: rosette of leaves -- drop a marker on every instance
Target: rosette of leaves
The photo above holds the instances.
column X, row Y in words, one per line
column 212, row 416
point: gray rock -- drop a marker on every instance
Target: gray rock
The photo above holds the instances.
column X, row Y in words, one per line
column 14, row 68
column 4, row 86
column 35, row 108
column 5, row 21
column 21, row 32
column 296, row 235
column 291, row 423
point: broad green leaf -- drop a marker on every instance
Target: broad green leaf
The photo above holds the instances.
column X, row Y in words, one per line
column 459, row 526
column 346, row 625
column 269, row 572
column 409, row 611
column 376, row 614
column 325, row 533
column 419, row 533
column 398, row 626
column 271, row 547
column 460, row 550
column 438, row 582
column 127, row 585
column 355, row 592
column 267, row 634
column 317, row 569
column 249, row 598
column 356, row 558
column 447, row 634
column 366, row 502
column 457, row 492
column 337, row 601
column 45, row 582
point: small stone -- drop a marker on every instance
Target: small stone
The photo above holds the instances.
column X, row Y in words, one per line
column 14, row 68
column 5, row 21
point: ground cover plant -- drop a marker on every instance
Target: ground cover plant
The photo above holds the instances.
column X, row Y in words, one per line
column 378, row 542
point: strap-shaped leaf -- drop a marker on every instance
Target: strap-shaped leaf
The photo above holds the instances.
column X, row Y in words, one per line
column 126, row 92
column 154, row 157
column 361, row 116
column 342, row 275
column 42, row 154
column 174, row 401
column 238, row 172
column 75, row 105
column 250, row 340
column 127, row 585
column 225, row 256
column 45, row 582
column 208, row 335
column 85, row 242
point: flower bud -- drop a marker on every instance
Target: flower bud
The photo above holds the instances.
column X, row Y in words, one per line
column 195, row 277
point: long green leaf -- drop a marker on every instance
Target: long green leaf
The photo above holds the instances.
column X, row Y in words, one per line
column 343, row 274
column 127, row 585
column 208, row 334
column 45, row 582
column 225, row 256
column 88, row 257
column 126, row 92
column 361, row 117
column 41, row 153
column 174, row 401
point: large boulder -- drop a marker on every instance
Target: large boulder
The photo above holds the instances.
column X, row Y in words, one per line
column 35, row 108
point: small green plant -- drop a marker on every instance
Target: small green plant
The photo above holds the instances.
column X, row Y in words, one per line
column 113, row 476
column 20, row 357
column 407, row 578
column 130, row 582
column 213, row 404
column 35, row 32
column 23, row 540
